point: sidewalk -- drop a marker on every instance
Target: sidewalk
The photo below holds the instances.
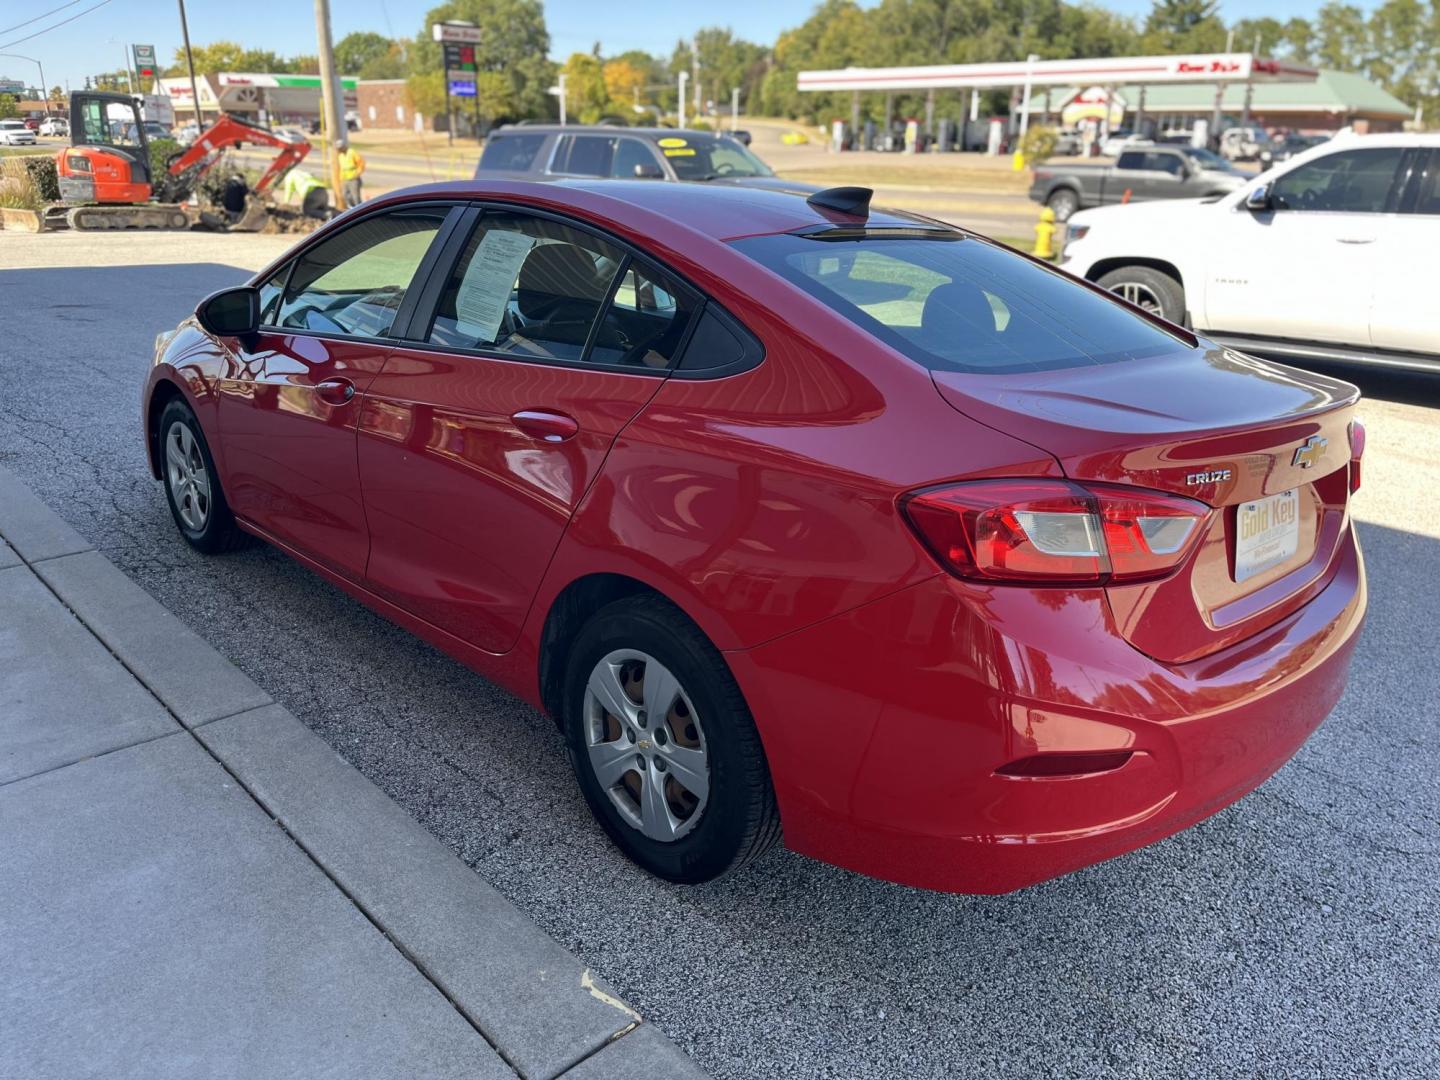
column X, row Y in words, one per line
column 196, row 885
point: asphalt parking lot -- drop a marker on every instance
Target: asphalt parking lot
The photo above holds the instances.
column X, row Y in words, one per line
column 1297, row 933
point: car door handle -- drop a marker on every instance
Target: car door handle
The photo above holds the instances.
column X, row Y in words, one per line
column 335, row 391
column 1356, row 239
column 546, row 425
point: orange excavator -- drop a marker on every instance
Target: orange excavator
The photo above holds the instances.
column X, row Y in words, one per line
column 106, row 179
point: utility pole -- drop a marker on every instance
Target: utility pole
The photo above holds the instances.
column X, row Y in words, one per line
column 680, row 121
column 190, row 63
column 695, row 70
column 330, row 100
column 734, row 108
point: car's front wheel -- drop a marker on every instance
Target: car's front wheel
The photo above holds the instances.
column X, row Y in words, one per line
column 663, row 745
column 192, row 486
column 1153, row 290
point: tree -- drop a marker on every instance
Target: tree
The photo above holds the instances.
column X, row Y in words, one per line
column 355, row 50
column 624, row 84
column 1184, row 26
column 9, row 108
column 586, row 97
column 514, row 44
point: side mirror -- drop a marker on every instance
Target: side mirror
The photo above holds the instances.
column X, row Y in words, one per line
column 649, row 171
column 1259, row 199
column 231, row 312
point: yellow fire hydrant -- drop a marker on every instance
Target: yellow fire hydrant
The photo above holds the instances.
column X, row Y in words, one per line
column 1045, row 235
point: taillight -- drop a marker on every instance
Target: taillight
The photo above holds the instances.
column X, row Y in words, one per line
column 1357, row 451
column 1053, row 532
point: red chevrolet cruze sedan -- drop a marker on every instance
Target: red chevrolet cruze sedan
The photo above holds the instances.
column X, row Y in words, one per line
column 794, row 515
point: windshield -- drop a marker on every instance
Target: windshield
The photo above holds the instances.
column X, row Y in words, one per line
column 1206, row 158
column 961, row 304
column 709, row 157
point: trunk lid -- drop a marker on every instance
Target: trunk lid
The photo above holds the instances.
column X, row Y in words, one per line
column 1234, row 432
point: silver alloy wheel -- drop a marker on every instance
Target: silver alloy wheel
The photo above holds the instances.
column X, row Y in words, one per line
column 645, row 743
column 186, row 476
column 1142, row 296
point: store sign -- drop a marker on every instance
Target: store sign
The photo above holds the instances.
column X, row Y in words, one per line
column 462, row 88
column 455, row 32
column 144, row 60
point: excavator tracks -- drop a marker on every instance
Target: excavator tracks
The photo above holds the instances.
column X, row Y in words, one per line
column 145, row 216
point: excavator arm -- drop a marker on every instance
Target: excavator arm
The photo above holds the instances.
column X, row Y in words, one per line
column 229, row 132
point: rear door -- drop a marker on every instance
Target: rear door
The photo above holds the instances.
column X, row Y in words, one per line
column 1403, row 316
column 536, row 342
column 1306, row 269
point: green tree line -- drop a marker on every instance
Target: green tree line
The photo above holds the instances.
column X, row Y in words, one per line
column 1396, row 44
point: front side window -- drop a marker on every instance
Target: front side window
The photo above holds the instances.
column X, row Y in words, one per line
column 1352, row 181
column 1161, row 162
column 961, row 304
column 633, row 158
column 353, row 283
column 527, row 286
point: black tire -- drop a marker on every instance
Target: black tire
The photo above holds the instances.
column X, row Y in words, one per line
column 218, row 532
column 739, row 821
column 1152, row 289
column 1064, row 202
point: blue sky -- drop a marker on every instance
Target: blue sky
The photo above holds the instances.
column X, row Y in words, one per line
column 95, row 41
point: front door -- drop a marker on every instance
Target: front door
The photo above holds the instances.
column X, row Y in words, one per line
column 1305, row 268
column 479, row 438
column 289, row 404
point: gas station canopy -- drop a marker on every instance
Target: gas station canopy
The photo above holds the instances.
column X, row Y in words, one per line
column 1199, row 68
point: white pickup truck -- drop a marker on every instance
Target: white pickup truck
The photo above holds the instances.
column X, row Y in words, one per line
column 1330, row 255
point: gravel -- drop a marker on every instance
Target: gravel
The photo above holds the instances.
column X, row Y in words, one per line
column 1295, row 934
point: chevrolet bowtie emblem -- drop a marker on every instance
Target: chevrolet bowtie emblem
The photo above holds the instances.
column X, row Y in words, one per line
column 1310, row 451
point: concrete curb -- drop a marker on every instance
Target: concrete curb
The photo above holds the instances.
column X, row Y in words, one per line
column 535, row 1003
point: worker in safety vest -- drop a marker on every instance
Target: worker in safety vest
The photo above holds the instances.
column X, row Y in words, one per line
column 352, row 168
column 303, row 190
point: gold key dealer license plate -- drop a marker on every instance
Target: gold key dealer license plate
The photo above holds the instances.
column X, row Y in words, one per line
column 1267, row 533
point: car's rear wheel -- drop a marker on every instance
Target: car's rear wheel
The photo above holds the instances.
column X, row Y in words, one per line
column 1064, row 202
column 1153, row 290
column 192, row 486
column 663, row 745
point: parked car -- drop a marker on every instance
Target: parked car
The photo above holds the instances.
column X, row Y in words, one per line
column 791, row 512
column 1143, row 171
column 555, row 151
column 1245, row 143
column 1328, row 255
column 1069, row 143
column 32, row 123
column 1115, row 142
column 15, row 133
column 55, row 127
column 1289, row 146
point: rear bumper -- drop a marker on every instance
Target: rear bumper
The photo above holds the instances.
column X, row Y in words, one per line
column 884, row 727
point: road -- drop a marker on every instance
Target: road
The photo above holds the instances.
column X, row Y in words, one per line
column 1296, row 933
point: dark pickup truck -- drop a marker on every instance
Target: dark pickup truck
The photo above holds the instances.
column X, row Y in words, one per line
column 1144, row 170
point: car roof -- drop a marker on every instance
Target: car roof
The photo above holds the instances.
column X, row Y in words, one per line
column 607, row 129
column 721, row 212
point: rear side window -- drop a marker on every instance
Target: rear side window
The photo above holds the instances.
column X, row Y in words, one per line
column 645, row 322
column 1428, row 198
column 584, row 155
column 961, row 304
column 1131, row 159
column 1352, row 181
column 512, row 153
column 527, row 286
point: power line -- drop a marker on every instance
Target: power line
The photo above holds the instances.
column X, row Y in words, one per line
column 37, row 18
column 56, row 26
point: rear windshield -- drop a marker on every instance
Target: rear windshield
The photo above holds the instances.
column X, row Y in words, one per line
column 511, row 153
column 961, row 304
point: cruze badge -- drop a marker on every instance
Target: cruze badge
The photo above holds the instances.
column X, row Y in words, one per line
column 1309, row 452
column 1214, row 476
